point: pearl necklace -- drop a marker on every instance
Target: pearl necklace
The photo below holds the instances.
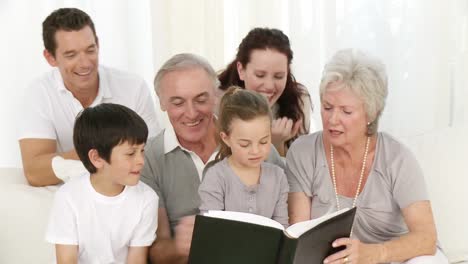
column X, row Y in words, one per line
column 360, row 177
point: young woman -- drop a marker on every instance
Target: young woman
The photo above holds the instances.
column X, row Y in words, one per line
column 241, row 180
column 263, row 64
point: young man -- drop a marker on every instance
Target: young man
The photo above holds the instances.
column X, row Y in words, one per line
column 53, row 101
column 109, row 216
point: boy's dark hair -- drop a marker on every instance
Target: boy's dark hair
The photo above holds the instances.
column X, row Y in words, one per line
column 67, row 19
column 105, row 126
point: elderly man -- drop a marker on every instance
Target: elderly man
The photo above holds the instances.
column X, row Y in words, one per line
column 53, row 101
column 176, row 159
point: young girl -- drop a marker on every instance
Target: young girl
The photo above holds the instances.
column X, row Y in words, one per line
column 241, row 180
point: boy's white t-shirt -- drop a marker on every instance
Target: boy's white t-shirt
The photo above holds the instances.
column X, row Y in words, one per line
column 103, row 227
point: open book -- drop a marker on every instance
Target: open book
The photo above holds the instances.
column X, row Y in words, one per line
column 233, row 237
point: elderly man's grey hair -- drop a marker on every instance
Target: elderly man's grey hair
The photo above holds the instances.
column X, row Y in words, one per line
column 364, row 75
column 184, row 61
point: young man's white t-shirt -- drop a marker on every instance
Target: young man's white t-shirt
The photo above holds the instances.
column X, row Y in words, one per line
column 49, row 108
column 103, row 227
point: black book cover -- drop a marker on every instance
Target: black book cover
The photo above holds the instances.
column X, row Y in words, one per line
column 316, row 244
column 222, row 241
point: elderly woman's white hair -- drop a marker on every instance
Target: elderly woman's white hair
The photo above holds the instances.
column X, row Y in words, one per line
column 185, row 61
column 364, row 75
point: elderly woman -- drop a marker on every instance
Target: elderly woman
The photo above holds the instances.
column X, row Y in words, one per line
column 350, row 164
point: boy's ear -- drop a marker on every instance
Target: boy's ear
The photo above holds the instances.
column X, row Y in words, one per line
column 225, row 138
column 95, row 159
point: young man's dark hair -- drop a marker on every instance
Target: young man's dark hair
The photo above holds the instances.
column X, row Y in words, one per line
column 67, row 19
column 105, row 126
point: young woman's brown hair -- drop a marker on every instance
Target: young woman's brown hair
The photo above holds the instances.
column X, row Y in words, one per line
column 290, row 104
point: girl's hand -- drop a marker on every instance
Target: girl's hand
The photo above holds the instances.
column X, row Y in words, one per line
column 355, row 252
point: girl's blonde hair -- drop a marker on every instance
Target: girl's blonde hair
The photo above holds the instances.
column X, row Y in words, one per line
column 242, row 104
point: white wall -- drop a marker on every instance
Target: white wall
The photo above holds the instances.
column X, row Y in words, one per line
column 20, row 55
column 424, row 44
column 187, row 26
column 125, row 39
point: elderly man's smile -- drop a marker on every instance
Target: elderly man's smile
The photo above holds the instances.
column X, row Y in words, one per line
column 193, row 124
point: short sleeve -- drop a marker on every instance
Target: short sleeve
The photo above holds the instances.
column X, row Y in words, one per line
column 147, row 110
column 145, row 232
column 62, row 227
column 35, row 121
column 409, row 184
column 280, row 213
column 307, row 110
column 212, row 191
column 296, row 166
column 150, row 174
column 275, row 158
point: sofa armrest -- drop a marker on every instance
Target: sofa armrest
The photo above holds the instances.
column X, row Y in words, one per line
column 12, row 176
column 24, row 213
column 442, row 156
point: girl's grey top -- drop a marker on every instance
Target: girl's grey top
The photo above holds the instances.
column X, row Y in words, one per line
column 222, row 189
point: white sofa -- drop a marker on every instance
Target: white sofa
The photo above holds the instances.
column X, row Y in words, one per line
column 24, row 209
column 24, row 212
column 443, row 158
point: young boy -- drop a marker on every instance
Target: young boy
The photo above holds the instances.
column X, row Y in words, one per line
column 108, row 216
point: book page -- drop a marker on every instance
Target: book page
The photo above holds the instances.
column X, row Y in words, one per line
column 300, row 228
column 245, row 217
